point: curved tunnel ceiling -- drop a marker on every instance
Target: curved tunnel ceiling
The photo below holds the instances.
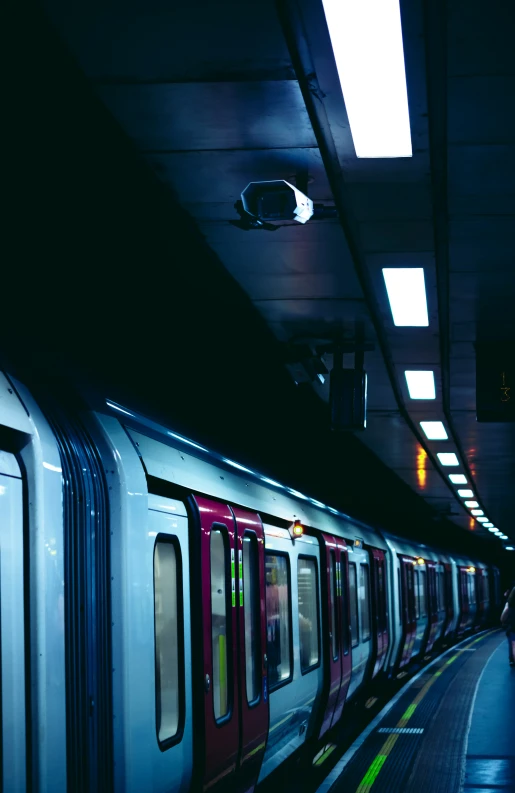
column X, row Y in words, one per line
column 216, row 95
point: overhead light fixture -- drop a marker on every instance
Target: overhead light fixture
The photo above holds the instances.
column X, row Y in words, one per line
column 482, row 520
column 448, row 458
column 471, row 504
column 458, row 479
column 407, row 295
column 492, row 529
column 367, row 44
column 477, row 512
column 498, row 532
column 488, row 525
column 503, row 536
column 465, row 493
column 434, row 430
column 421, row 385
column 509, row 548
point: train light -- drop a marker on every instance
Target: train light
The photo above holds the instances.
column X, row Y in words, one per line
column 471, row 569
column 297, row 529
column 420, row 560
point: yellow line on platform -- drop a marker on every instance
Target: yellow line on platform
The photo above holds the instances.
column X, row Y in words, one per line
column 380, row 759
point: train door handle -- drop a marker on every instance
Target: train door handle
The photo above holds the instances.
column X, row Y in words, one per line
column 207, row 684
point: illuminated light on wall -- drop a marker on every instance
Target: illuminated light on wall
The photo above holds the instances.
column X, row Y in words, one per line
column 366, row 36
column 477, row 512
column 434, row 430
column 470, row 504
column 447, row 458
column 421, row 468
column 472, row 523
column 458, row 479
column 465, row 493
column 421, row 385
column 407, row 295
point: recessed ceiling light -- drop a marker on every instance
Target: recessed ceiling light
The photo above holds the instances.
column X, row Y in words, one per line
column 477, row 512
column 465, row 493
column 367, row 46
column 458, row 479
column 509, row 548
column 421, row 385
column 470, row 504
column 448, row 458
column 434, row 430
column 482, row 520
column 497, row 532
column 488, row 525
column 503, row 536
column 492, row 528
column 407, row 295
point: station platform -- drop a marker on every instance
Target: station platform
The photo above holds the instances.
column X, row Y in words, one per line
column 450, row 730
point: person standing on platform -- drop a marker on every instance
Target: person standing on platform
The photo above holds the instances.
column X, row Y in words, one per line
column 508, row 622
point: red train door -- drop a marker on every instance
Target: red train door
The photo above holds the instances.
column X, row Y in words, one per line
column 218, row 552
column 337, row 639
column 381, row 633
column 344, row 623
column 432, row 606
column 234, row 635
column 408, row 609
column 253, row 688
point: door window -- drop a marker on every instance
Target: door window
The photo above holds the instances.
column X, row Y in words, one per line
column 278, row 619
column 168, row 637
column 219, row 621
column 422, row 593
column 353, row 594
column 308, row 612
column 251, row 617
column 364, row 596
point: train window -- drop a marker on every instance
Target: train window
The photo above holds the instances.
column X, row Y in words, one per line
column 422, row 593
column 219, row 621
column 410, row 579
column 168, row 637
column 472, row 589
column 381, row 599
column 278, row 619
column 308, row 612
column 399, row 587
column 251, row 617
column 353, row 594
column 333, row 586
column 417, row 594
column 364, row 597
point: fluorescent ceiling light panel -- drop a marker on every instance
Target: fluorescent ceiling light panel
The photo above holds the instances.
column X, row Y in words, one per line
column 434, row 430
column 406, row 290
column 458, row 479
column 492, row 528
column 477, row 512
column 509, row 548
column 465, row 493
column 482, row 520
column 470, row 504
column 367, row 44
column 447, row 458
column 488, row 525
column 503, row 536
column 421, row 385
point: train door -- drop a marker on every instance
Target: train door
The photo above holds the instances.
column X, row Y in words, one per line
column 233, row 640
column 338, row 666
column 449, row 623
column 380, row 618
column 253, row 683
column 463, row 589
column 409, row 623
column 344, row 622
column 12, row 626
column 432, row 605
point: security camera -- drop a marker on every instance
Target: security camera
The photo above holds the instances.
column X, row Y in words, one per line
column 276, row 200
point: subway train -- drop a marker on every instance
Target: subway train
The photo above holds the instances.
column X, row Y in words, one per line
column 173, row 621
